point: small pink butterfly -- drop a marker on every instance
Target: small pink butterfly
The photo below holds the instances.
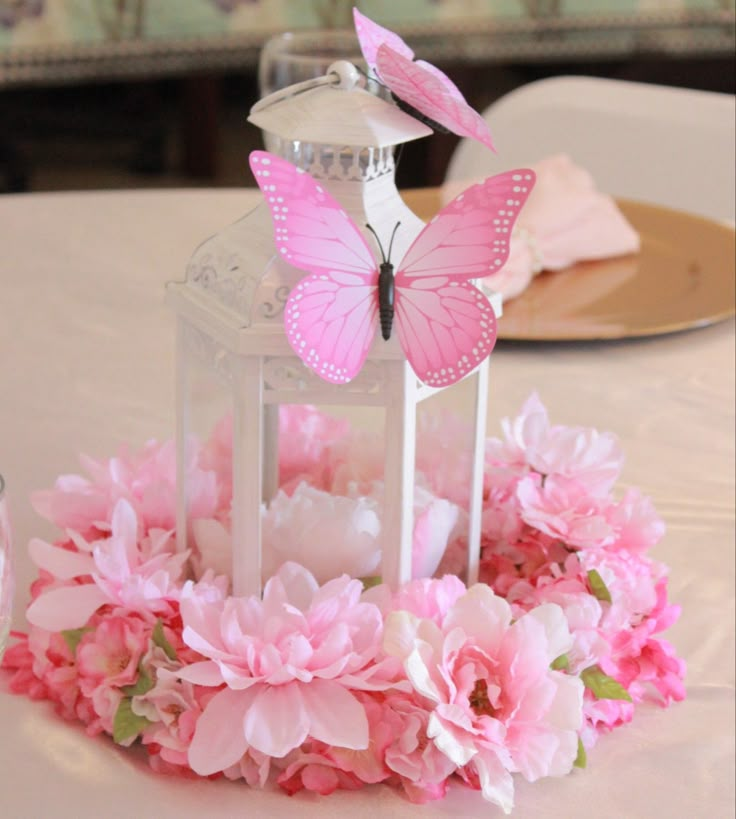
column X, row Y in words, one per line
column 419, row 87
column 446, row 326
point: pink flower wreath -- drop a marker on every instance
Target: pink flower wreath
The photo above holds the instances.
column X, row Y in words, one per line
column 329, row 681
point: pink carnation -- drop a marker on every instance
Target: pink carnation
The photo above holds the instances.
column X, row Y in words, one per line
column 288, row 663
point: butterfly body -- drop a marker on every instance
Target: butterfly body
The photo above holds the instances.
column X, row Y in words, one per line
column 386, row 298
column 445, row 325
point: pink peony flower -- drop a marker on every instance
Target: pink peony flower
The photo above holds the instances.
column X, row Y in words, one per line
column 305, row 436
column 128, row 572
column 355, row 463
column 328, row 534
column 444, row 455
column 318, row 772
column 422, row 768
column 496, row 704
column 638, row 526
column 562, row 508
column 288, row 663
column 586, row 455
column 582, row 612
column 429, row 598
column 146, row 480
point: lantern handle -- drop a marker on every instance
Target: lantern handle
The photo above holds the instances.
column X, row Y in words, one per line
column 341, row 74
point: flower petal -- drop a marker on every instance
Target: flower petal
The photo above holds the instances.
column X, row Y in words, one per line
column 202, row 673
column 496, row 783
column 555, row 626
column 66, row 607
column 335, row 715
column 219, row 738
column 277, row 721
column 62, row 563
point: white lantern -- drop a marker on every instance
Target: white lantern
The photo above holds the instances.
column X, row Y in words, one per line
column 230, row 318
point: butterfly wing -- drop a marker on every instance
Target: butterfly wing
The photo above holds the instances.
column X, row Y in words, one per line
column 371, row 36
column 431, row 93
column 446, row 326
column 330, row 316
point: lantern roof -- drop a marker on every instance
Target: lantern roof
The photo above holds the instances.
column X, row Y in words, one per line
column 333, row 115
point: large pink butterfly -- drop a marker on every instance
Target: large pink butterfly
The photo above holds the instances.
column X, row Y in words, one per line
column 417, row 85
column 446, row 326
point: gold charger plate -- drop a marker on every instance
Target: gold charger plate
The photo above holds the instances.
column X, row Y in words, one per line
column 683, row 277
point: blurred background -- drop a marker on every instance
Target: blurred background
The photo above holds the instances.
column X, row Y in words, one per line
column 155, row 93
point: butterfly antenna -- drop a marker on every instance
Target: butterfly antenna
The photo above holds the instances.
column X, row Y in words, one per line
column 391, row 243
column 380, row 246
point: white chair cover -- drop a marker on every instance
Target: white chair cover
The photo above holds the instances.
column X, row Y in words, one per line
column 667, row 146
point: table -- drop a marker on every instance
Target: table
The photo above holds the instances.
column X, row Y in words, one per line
column 87, row 364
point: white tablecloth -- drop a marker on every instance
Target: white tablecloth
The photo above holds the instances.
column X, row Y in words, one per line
column 86, row 363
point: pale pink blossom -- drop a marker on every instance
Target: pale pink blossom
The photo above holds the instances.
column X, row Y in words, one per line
column 316, row 771
column 638, row 526
column 288, row 662
column 172, row 708
column 305, row 436
column 145, row 479
column 355, row 463
column 582, row 610
column 563, row 509
column 435, row 522
column 211, row 546
column 19, row 660
column 647, row 666
column 322, row 768
column 422, row 768
column 110, row 653
column 429, row 598
column 501, row 519
column 496, row 704
column 328, row 534
column 532, row 443
column 631, row 580
column 254, row 767
column 140, row 574
column 105, row 701
column 444, row 455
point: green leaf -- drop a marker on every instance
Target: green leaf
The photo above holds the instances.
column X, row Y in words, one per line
column 598, row 587
column 603, row 686
column 581, row 760
column 370, row 582
column 126, row 724
column 562, row 663
column 73, row 636
column 142, row 685
column 159, row 639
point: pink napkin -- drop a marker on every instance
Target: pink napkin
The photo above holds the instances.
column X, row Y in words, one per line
column 565, row 220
